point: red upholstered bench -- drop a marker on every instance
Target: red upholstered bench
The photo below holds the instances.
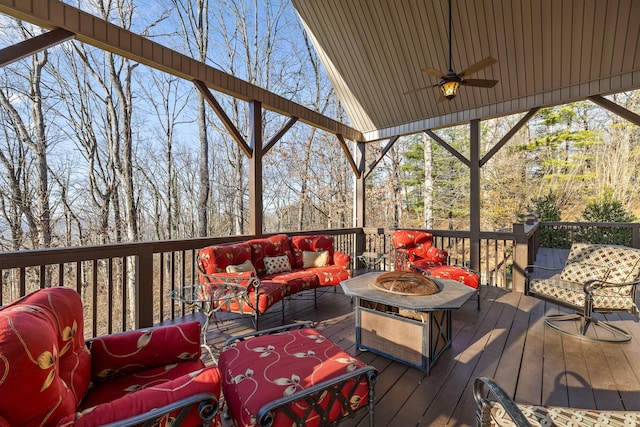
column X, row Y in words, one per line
column 293, row 375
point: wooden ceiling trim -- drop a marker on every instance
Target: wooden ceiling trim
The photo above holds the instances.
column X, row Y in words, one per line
column 497, row 45
column 586, row 42
column 369, row 42
column 608, row 37
column 405, row 47
column 565, row 41
column 633, row 41
column 620, row 36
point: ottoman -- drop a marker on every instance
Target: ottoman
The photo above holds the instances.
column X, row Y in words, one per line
column 293, row 375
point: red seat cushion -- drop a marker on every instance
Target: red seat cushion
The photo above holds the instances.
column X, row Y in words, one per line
column 458, row 274
column 263, row 369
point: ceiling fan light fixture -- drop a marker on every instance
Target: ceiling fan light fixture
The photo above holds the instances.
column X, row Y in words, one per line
column 449, row 89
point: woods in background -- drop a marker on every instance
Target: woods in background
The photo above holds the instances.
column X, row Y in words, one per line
column 97, row 149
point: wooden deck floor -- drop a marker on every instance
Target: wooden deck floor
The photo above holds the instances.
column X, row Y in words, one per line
column 506, row 340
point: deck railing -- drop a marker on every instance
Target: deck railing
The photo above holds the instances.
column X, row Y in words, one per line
column 127, row 285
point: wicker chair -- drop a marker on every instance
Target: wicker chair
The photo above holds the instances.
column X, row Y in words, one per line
column 595, row 279
column 496, row 408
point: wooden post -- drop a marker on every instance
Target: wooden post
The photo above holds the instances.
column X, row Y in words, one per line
column 359, row 202
column 474, row 199
column 520, row 256
column 255, row 169
column 144, row 288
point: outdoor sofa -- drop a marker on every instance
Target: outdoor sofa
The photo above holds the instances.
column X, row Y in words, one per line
column 251, row 277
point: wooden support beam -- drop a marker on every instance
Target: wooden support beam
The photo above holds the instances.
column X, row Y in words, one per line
column 474, row 199
column 523, row 121
column 280, row 134
column 226, row 121
column 383, row 153
column 359, row 204
column 345, row 148
column 616, row 109
column 255, row 170
column 447, row 147
column 29, row 47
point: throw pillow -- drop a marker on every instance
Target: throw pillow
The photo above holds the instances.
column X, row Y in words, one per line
column 276, row 264
column 241, row 268
column 315, row 259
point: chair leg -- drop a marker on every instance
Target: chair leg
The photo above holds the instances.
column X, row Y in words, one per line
column 619, row 335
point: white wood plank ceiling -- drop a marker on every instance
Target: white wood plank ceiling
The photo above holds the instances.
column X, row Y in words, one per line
column 549, row 52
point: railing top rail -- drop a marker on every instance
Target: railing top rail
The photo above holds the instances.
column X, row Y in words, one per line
column 61, row 255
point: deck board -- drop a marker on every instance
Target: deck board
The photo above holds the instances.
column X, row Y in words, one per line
column 507, row 340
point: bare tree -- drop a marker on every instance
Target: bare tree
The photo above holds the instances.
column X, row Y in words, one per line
column 28, row 128
column 194, row 21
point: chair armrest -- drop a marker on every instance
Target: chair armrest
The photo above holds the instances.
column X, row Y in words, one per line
column 341, row 259
column 593, row 284
column 198, row 391
column 480, row 395
column 277, row 329
column 339, row 387
column 529, row 269
column 221, row 286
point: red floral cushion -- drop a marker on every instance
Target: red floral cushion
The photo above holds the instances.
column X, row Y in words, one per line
column 262, row 369
column 320, row 242
column 44, row 363
column 215, row 259
column 297, row 281
column 121, row 354
column 331, row 275
column 458, row 274
column 268, row 293
column 341, row 260
column 150, row 393
column 269, row 247
column 411, row 238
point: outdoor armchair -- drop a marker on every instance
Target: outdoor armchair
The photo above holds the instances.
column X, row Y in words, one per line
column 49, row 376
column 496, row 408
column 595, row 279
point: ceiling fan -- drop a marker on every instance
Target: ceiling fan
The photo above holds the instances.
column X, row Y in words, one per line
column 451, row 81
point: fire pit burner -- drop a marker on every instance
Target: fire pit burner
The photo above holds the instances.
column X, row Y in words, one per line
column 405, row 283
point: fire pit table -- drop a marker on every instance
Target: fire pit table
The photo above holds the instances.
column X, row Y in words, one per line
column 412, row 329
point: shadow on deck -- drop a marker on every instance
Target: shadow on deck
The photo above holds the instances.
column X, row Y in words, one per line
column 506, row 340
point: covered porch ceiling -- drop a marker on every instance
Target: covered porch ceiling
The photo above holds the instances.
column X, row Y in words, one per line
column 549, row 52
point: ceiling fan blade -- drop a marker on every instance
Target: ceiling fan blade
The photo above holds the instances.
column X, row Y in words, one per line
column 433, row 72
column 483, row 63
column 479, row 82
column 441, row 98
column 418, row 89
